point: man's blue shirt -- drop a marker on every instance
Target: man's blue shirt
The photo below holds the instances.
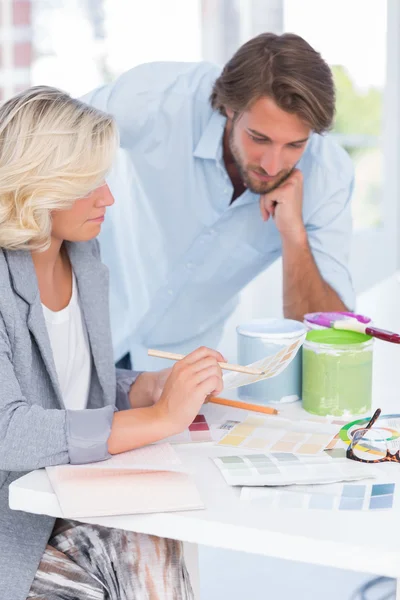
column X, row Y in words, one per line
column 178, row 251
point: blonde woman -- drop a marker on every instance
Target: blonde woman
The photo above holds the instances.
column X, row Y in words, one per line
column 61, row 400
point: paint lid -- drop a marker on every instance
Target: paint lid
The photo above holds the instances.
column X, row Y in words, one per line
column 337, row 337
column 272, row 328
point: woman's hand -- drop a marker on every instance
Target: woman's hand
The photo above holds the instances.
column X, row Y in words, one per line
column 160, row 379
column 189, row 382
column 147, row 388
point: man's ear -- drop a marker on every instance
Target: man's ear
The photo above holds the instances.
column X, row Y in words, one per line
column 229, row 113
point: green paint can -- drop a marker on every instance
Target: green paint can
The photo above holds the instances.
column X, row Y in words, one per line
column 337, row 372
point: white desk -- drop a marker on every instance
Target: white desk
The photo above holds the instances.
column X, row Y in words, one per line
column 363, row 542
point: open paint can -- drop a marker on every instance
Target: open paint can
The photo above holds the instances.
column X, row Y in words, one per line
column 260, row 338
column 337, row 372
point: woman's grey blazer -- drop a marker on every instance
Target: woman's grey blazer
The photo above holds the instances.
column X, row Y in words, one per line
column 35, row 429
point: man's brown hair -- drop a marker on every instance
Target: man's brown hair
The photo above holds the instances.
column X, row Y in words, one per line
column 284, row 68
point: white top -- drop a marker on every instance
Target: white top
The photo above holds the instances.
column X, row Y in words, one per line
column 70, row 345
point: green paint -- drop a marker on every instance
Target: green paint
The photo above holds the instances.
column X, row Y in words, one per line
column 337, row 372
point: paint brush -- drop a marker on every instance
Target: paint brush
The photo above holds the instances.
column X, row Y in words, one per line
column 347, row 321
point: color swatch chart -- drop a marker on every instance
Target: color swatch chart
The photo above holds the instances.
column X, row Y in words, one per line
column 198, row 431
column 210, row 425
column 338, row 496
column 275, row 434
column 285, row 469
column 271, row 366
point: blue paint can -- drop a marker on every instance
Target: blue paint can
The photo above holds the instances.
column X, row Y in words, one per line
column 263, row 337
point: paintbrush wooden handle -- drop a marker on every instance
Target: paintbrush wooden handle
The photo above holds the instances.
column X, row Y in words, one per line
column 224, row 366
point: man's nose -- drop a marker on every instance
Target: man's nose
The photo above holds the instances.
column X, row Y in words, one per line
column 271, row 162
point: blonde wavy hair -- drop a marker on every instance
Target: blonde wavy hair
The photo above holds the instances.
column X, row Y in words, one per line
column 53, row 150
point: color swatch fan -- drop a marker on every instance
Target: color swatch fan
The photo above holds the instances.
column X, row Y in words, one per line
column 271, row 366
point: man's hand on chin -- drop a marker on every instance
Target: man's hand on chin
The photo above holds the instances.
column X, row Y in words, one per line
column 284, row 205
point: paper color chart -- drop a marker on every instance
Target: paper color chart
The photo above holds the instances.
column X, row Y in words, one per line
column 198, row 431
column 273, row 434
column 334, row 443
column 210, row 425
column 271, row 366
column 347, row 496
column 277, row 469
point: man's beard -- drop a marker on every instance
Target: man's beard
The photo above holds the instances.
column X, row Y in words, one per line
column 257, row 187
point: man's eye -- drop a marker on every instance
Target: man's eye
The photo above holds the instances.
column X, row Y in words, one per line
column 257, row 139
column 296, row 145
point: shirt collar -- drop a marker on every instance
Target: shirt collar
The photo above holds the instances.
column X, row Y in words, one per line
column 210, row 144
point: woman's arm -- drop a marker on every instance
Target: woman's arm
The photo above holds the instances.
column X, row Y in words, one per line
column 32, row 437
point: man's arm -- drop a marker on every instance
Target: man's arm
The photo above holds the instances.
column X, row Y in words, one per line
column 304, row 290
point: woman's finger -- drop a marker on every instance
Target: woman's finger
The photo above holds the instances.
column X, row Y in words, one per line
column 202, row 352
column 204, row 363
column 212, row 371
column 210, row 386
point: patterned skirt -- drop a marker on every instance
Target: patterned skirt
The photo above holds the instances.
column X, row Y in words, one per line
column 90, row 562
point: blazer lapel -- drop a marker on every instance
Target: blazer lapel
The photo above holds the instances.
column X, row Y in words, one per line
column 92, row 280
column 24, row 281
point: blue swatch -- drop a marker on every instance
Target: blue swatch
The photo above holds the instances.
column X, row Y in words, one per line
column 381, row 489
column 353, row 491
column 347, row 503
column 379, row 502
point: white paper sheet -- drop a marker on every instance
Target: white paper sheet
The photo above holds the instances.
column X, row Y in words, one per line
column 150, row 479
